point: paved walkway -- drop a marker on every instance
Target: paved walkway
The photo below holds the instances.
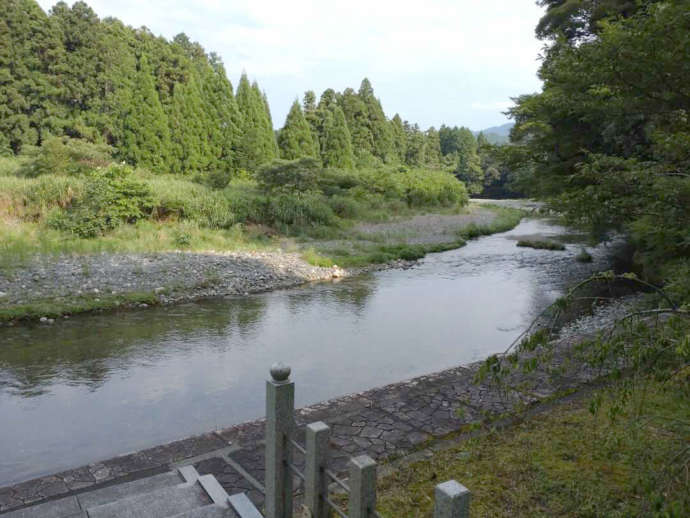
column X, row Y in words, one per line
column 385, row 423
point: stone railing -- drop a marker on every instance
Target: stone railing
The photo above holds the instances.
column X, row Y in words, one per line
column 452, row 500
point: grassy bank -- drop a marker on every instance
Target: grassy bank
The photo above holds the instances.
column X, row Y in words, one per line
column 358, row 249
column 567, row 462
column 117, row 208
column 56, row 308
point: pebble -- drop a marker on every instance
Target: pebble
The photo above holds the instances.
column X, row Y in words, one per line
column 602, row 317
column 186, row 274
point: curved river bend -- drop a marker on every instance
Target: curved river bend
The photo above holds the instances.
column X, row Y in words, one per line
column 96, row 386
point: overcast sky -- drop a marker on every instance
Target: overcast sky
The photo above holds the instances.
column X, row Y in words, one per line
column 456, row 62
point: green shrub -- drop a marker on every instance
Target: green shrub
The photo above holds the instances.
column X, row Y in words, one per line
column 291, row 175
column 111, row 197
column 300, row 209
column 9, row 165
column 218, row 179
column 584, row 256
column 248, row 205
column 337, row 181
column 541, row 244
column 676, row 277
column 49, row 192
column 346, row 207
column 179, row 199
column 65, row 156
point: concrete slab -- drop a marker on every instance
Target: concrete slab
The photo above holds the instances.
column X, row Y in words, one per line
column 128, row 489
column 162, row 503
column 214, row 490
column 62, row 508
column 208, row 511
column 243, row 506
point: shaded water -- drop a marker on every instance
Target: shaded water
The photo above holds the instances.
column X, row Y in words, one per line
column 96, row 386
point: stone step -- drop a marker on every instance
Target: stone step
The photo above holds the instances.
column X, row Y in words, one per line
column 142, row 486
column 162, row 503
column 62, row 508
column 208, row 511
column 243, row 506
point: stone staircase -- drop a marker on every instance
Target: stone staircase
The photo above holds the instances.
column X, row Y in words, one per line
column 176, row 494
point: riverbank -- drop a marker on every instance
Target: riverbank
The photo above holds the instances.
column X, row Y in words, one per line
column 389, row 423
column 47, row 287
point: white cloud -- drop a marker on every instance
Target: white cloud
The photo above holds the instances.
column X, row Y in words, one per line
column 460, row 54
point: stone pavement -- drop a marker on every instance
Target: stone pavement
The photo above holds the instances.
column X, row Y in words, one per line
column 385, row 423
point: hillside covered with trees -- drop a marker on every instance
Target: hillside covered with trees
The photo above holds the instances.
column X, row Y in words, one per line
column 112, row 138
column 169, row 106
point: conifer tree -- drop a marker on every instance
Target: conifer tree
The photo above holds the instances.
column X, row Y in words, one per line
column 415, row 155
column 482, row 141
column 379, row 127
column 82, row 73
column 309, row 110
column 146, row 137
column 223, row 130
column 399, row 140
column 267, row 120
column 433, row 149
column 30, row 57
column 116, row 80
column 468, row 168
column 336, row 144
column 295, row 139
column 257, row 143
column 190, row 146
column 357, row 119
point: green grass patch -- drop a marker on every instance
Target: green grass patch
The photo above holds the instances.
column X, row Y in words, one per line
column 583, row 257
column 363, row 255
column 316, row 259
column 567, row 462
column 541, row 244
column 55, row 308
column 20, row 242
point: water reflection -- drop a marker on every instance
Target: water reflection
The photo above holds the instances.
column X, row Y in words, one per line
column 92, row 387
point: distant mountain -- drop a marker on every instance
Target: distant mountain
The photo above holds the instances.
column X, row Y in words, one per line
column 497, row 134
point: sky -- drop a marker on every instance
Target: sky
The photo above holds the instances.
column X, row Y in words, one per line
column 453, row 62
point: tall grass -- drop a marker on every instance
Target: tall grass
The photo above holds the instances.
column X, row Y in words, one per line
column 193, row 215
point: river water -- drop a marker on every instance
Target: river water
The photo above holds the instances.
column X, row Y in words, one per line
column 92, row 387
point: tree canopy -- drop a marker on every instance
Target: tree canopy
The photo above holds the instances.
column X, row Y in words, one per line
column 608, row 138
column 168, row 105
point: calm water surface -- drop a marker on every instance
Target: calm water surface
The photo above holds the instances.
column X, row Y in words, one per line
column 92, row 387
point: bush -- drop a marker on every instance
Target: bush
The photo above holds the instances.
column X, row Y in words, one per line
column 300, row 209
column 50, row 192
column 179, row 199
column 346, row 206
column 291, row 175
column 111, row 197
column 9, row 165
column 65, row 156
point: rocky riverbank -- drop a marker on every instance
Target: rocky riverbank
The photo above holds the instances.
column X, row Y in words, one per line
column 117, row 280
column 49, row 287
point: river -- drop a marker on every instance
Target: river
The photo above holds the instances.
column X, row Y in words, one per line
column 95, row 386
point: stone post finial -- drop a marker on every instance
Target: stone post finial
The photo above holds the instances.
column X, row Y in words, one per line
column 280, row 372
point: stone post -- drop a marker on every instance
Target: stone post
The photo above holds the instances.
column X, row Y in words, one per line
column 451, row 500
column 316, row 463
column 280, row 406
column 362, row 487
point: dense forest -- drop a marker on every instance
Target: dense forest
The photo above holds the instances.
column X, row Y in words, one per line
column 607, row 141
column 169, row 106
